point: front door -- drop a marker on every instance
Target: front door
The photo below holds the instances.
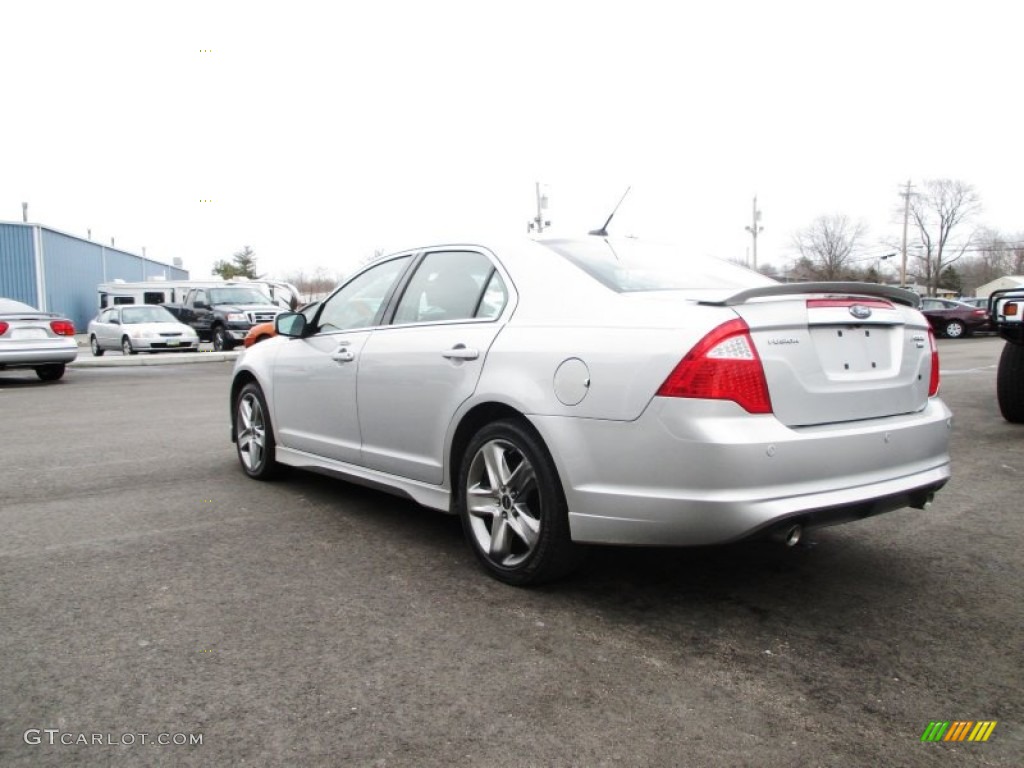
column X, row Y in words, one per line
column 314, row 387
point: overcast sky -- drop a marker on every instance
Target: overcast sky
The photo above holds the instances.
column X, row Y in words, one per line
column 320, row 131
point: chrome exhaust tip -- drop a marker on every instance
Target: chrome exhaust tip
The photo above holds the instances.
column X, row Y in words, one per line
column 923, row 501
column 789, row 535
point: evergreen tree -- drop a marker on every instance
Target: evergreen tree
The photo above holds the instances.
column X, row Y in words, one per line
column 242, row 264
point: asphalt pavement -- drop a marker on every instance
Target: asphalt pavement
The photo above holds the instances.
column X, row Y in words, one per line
column 149, row 590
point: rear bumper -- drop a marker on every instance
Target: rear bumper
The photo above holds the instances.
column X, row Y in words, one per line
column 699, row 472
column 29, row 357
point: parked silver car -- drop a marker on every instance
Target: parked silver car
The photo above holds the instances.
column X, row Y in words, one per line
column 558, row 392
column 42, row 341
column 140, row 327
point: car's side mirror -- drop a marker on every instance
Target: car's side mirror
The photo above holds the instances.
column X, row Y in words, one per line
column 292, row 324
column 201, row 305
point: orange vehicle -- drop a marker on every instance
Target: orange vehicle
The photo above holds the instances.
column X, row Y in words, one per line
column 264, row 331
column 257, row 333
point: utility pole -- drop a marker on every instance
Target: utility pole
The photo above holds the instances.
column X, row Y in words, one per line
column 906, row 218
column 539, row 222
column 754, row 229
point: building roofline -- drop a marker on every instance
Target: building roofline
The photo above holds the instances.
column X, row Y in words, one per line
column 150, row 259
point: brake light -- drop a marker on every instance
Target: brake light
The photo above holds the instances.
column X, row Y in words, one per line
column 3, row 328
column 724, row 365
column 63, row 327
column 1010, row 309
column 933, row 381
column 980, row 313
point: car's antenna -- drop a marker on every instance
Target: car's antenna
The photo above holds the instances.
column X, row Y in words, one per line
column 603, row 231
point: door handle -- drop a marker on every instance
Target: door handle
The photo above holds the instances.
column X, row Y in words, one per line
column 461, row 352
column 343, row 355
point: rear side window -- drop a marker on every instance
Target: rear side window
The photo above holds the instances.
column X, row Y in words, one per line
column 452, row 285
column 632, row 265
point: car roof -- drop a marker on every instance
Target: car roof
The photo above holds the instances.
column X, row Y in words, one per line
column 12, row 305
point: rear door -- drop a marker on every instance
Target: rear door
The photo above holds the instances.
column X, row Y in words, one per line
column 415, row 373
column 108, row 329
column 833, row 358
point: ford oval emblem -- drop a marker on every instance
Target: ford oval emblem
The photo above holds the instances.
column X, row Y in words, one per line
column 860, row 311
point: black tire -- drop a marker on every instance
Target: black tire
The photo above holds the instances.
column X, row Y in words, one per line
column 531, row 544
column 954, row 329
column 221, row 341
column 127, row 348
column 97, row 350
column 254, row 434
column 1010, row 383
column 50, row 372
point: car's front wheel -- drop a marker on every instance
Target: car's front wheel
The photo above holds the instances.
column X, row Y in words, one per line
column 512, row 506
column 1010, row 383
column 50, row 372
column 127, row 348
column 221, row 341
column 955, row 329
column 254, row 437
column 97, row 350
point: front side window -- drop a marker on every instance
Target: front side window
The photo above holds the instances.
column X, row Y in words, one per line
column 452, row 285
column 360, row 302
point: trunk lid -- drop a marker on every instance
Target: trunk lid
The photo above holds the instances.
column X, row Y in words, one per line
column 835, row 352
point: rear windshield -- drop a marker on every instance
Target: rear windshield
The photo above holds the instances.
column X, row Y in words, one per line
column 631, row 265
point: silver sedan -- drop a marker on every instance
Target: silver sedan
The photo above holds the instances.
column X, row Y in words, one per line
column 562, row 392
column 140, row 327
column 42, row 341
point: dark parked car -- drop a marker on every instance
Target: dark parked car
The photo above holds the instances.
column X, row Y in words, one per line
column 974, row 301
column 954, row 319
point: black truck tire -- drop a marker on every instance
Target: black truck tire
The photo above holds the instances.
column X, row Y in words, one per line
column 1010, row 383
column 222, row 342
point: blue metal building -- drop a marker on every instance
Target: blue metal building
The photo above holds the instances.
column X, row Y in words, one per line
column 59, row 272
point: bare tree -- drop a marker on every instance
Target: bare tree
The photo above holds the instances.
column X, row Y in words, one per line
column 826, row 246
column 945, row 205
column 315, row 285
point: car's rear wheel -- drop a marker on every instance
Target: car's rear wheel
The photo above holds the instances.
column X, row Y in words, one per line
column 512, row 506
column 955, row 329
column 126, row 347
column 50, row 372
column 254, row 437
column 97, row 350
column 1010, row 383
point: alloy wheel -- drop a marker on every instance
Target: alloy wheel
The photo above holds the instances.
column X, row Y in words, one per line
column 252, row 432
column 503, row 503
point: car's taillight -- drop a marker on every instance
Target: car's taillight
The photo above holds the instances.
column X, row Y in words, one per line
column 3, row 328
column 724, row 365
column 980, row 313
column 1010, row 309
column 933, row 381
column 63, row 327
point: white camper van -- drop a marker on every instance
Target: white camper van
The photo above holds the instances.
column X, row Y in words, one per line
column 172, row 291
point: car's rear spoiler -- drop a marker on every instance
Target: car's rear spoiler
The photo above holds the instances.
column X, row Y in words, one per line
column 899, row 295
